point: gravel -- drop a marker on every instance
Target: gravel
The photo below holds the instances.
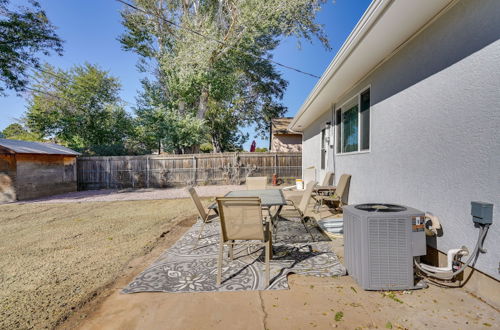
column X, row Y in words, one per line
column 108, row 195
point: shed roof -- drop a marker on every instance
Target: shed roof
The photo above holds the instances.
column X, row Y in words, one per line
column 26, row 147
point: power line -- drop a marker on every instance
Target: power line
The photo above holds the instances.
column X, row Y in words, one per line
column 217, row 40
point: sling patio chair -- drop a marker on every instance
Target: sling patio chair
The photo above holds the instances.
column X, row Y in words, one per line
column 256, row 182
column 241, row 220
column 340, row 195
column 204, row 215
column 302, row 208
column 326, row 187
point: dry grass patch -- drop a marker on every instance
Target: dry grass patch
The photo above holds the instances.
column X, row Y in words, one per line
column 55, row 257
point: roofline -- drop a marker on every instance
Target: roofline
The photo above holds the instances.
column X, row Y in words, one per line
column 368, row 21
column 370, row 17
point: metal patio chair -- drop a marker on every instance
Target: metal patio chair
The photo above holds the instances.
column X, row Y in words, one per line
column 204, row 215
column 256, row 182
column 241, row 220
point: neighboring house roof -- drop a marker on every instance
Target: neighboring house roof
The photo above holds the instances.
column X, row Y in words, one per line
column 26, row 147
column 280, row 125
column 386, row 26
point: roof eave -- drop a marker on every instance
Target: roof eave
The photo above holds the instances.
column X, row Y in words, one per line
column 387, row 34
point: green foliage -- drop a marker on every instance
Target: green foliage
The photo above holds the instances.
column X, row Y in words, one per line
column 81, row 109
column 339, row 316
column 25, row 32
column 228, row 84
column 163, row 127
column 261, row 150
column 206, row 147
column 17, row 132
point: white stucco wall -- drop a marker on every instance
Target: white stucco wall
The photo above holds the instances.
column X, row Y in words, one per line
column 435, row 128
column 311, row 148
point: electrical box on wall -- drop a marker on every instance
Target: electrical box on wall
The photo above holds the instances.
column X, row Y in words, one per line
column 482, row 213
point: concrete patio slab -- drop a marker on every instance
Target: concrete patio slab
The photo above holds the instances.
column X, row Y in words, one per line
column 311, row 302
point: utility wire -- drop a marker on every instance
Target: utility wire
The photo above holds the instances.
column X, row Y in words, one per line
column 217, row 40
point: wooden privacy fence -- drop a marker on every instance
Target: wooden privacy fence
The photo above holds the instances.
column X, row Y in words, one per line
column 182, row 170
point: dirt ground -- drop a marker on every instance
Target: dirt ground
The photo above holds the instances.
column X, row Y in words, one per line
column 56, row 257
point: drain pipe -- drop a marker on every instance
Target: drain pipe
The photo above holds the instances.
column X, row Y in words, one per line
column 442, row 274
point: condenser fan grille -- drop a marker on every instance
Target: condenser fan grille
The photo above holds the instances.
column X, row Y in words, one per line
column 374, row 207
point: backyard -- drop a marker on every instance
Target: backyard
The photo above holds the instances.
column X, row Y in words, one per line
column 65, row 264
column 56, row 257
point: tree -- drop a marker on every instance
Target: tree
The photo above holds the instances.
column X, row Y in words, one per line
column 17, row 132
column 25, row 32
column 80, row 107
column 162, row 127
column 214, row 56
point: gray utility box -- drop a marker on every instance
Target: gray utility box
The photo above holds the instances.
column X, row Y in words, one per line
column 482, row 213
column 380, row 241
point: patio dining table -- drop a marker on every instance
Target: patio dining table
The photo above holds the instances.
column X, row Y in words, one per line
column 268, row 198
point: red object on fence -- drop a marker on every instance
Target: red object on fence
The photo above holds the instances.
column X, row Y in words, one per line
column 253, row 146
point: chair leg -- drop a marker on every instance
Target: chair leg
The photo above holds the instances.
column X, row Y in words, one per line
column 201, row 230
column 305, row 226
column 219, row 263
column 268, row 255
column 231, row 250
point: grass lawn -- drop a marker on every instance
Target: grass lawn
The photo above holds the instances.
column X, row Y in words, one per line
column 55, row 257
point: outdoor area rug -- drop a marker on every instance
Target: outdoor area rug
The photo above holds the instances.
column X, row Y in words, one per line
column 191, row 265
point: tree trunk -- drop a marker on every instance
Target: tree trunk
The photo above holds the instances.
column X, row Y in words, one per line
column 216, row 145
column 203, row 105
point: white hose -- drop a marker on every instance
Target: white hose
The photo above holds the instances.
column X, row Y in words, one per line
column 449, row 266
column 479, row 245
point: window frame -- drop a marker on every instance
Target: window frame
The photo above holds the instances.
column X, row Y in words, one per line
column 347, row 105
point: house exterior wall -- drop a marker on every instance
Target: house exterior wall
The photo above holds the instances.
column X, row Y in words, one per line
column 435, row 123
column 44, row 175
column 286, row 143
column 311, row 150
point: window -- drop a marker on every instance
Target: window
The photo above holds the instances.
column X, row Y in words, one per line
column 353, row 124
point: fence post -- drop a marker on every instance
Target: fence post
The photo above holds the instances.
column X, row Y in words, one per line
column 195, row 169
column 147, row 172
column 236, row 168
column 108, row 172
column 275, row 164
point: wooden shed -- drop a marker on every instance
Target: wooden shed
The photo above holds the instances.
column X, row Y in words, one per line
column 35, row 169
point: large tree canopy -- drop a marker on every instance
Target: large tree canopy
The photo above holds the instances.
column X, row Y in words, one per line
column 25, row 33
column 16, row 131
column 79, row 107
column 212, row 57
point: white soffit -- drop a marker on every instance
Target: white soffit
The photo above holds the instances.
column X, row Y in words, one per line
column 385, row 26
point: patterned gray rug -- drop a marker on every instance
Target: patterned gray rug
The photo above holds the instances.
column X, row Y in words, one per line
column 191, row 267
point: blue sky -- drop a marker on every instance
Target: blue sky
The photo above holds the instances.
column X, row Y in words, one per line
column 90, row 29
